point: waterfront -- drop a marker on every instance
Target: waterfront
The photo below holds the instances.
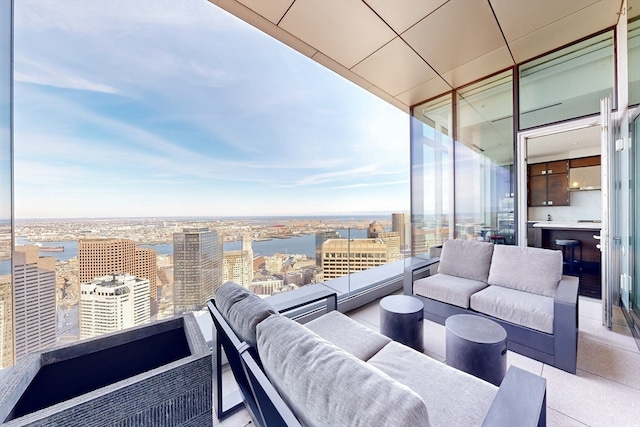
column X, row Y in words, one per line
column 303, row 244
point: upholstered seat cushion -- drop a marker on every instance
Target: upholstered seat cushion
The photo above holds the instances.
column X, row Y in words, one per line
column 450, row 289
column 532, row 270
column 348, row 334
column 453, row 398
column 466, row 258
column 522, row 308
column 242, row 309
column 326, row 386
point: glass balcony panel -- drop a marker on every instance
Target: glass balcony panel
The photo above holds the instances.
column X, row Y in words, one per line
column 431, row 176
column 567, row 83
column 6, row 183
column 484, row 161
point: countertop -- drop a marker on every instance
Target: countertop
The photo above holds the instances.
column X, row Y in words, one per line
column 569, row 225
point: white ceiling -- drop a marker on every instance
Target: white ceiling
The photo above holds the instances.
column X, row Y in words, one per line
column 407, row 51
column 564, row 145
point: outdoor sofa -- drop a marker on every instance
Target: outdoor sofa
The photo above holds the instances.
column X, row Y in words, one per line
column 521, row 288
column 335, row 372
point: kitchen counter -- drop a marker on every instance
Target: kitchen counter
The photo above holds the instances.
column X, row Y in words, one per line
column 569, row 225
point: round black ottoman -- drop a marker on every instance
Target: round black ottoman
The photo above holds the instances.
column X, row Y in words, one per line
column 476, row 345
column 402, row 320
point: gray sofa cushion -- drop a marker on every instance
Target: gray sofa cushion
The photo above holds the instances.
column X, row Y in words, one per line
column 348, row 334
column 326, row 386
column 453, row 398
column 522, row 308
column 466, row 258
column 243, row 310
column 532, row 270
column 450, row 289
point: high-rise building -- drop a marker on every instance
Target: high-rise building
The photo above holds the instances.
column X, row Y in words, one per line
column 34, row 301
column 197, row 268
column 391, row 238
column 343, row 256
column 112, row 303
column 6, row 322
column 401, row 225
column 102, row 257
column 320, row 239
column 238, row 265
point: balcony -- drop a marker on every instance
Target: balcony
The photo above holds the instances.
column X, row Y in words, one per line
column 604, row 391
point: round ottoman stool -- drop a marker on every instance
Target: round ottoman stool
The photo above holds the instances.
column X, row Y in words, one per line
column 476, row 345
column 402, row 320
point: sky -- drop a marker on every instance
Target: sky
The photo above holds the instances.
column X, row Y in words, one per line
column 177, row 108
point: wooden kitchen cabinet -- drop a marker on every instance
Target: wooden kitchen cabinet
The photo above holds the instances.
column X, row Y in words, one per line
column 584, row 162
column 548, row 183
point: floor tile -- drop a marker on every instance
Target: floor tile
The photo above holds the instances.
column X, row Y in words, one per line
column 618, row 336
column 591, row 399
column 609, row 362
column 434, row 338
column 524, row 362
column 369, row 313
column 556, row 419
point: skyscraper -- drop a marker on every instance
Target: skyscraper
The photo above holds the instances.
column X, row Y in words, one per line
column 6, row 322
column 238, row 265
column 197, row 268
column 34, row 301
column 320, row 239
column 112, row 303
column 343, row 256
column 101, row 257
column 401, row 225
column 390, row 238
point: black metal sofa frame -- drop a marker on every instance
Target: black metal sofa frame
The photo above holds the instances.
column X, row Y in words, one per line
column 519, row 398
column 558, row 349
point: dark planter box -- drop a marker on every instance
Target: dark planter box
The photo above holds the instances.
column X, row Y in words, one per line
column 156, row 374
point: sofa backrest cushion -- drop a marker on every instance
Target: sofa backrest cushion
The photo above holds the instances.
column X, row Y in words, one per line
column 532, row 270
column 470, row 259
column 326, row 386
column 242, row 309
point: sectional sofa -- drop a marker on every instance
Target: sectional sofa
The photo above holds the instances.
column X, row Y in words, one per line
column 333, row 371
column 521, row 288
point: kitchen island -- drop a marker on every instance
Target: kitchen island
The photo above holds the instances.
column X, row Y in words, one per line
column 546, row 233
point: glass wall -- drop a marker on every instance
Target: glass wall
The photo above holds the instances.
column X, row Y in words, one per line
column 634, row 62
column 6, row 185
column 568, row 83
column 431, row 174
column 484, row 208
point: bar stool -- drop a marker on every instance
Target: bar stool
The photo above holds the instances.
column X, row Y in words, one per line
column 572, row 262
column 497, row 239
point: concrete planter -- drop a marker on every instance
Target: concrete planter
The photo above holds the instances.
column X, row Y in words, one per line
column 155, row 375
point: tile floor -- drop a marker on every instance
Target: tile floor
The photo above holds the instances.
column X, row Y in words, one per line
column 604, row 392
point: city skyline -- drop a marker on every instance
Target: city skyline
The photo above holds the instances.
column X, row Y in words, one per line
column 154, row 109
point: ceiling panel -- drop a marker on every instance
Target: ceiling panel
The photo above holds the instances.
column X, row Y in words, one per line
column 323, row 59
column 458, row 32
column 395, row 67
column 633, row 7
column 519, row 18
column 273, row 10
column 402, row 14
column 480, row 67
column 424, row 91
column 583, row 23
column 345, row 30
column 449, row 43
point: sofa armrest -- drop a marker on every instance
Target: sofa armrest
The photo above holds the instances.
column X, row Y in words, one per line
column 565, row 324
column 521, row 401
column 417, row 271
